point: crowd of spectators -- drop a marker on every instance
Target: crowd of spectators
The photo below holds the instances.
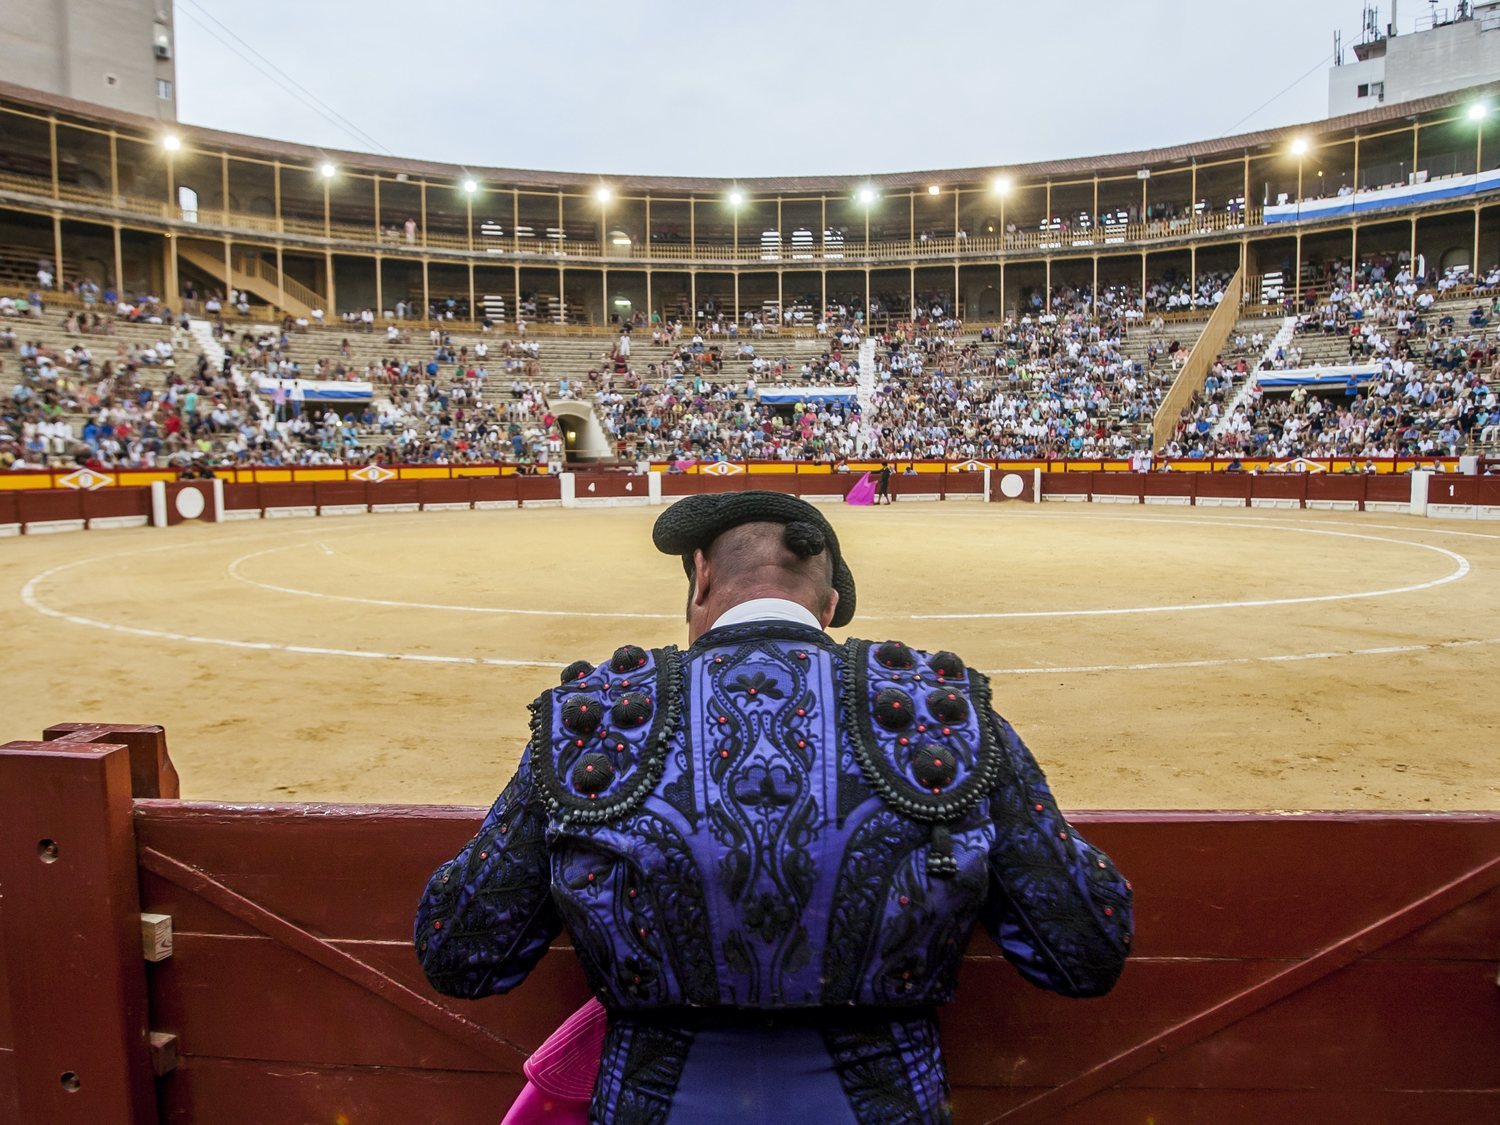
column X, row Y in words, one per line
column 1422, row 381
column 1083, row 380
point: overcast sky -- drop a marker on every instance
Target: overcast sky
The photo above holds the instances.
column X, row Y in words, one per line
column 765, row 87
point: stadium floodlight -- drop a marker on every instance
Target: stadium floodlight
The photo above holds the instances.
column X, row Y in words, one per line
column 736, row 197
column 1478, row 111
column 933, row 189
column 470, row 187
column 867, row 195
column 1299, row 146
column 1001, row 185
column 171, row 142
column 327, row 170
column 603, row 193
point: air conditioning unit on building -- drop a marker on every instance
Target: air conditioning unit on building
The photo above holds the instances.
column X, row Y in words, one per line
column 163, row 50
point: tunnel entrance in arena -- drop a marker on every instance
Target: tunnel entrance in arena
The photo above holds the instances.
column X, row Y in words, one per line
column 582, row 437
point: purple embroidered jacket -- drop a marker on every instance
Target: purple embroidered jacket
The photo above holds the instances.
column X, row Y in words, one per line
column 773, row 821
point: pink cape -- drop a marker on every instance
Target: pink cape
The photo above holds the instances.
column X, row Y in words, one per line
column 863, row 491
column 561, row 1072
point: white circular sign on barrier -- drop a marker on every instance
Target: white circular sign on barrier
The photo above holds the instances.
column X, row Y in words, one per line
column 1012, row 485
column 189, row 503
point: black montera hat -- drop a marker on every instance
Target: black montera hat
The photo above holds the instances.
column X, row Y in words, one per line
column 696, row 521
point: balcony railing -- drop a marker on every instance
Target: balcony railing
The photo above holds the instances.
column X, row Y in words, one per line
column 1099, row 237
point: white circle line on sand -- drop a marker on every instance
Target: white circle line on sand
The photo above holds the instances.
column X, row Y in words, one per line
column 33, row 601
column 239, row 576
column 1461, row 569
column 1230, row 661
column 29, row 596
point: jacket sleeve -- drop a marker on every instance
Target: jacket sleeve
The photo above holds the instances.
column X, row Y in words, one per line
column 487, row 916
column 1056, row 905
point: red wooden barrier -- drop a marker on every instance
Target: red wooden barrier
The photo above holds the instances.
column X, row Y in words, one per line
column 1224, row 486
column 289, row 495
column 339, row 494
column 493, row 489
column 1279, row 486
column 109, row 503
column 1132, row 485
column 1342, row 488
column 50, row 507
column 1067, row 484
column 1170, row 484
column 1388, row 489
column 1295, row 988
column 533, row 489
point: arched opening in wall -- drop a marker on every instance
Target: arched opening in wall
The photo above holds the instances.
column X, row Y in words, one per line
column 574, row 427
column 621, row 309
column 987, row 306
column 620, row 241
column 1455, row 256
column 261, row 205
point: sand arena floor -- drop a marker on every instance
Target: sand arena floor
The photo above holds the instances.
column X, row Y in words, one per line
column 1153, row 658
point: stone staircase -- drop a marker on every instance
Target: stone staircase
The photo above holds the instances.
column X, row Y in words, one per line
column 1282, row 339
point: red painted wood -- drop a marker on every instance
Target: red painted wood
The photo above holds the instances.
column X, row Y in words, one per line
column 61, row 504
column 288, row 495
column 683, row 484
column 317, row 1015
column 10, row 508
column 1235, row 486
column 1067, row 484
column 202, row 487
column 395, row 492
column 107, row 502
column 1118, row 484
column 1336, row 486
column 238, row 1092
column 445, row 491
column 331, row 493
column 152, row 773
column 1278, row 486
column 538, row 488
column 71, row 932
column 964, row 484
column 1388, row 489
column 292, row 921
column 239, row 497
column 605, row 486
column 492, row 488
column 809, row 484
column 1252, row 1107
column 1170, row 484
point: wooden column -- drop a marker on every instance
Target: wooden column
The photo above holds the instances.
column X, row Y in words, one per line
column 71, row 929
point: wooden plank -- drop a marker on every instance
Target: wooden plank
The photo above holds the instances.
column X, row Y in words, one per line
column 72, row 919
column 216, row 993
column 1012, row 1038
column 234, row 1092
column 1247, row 1107
column 1375, row 1025
column 1192, row 900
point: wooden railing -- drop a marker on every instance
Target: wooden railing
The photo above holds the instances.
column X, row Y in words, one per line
column 823, row 252
column 1190, row 379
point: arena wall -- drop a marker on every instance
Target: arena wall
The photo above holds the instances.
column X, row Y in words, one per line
column 255, row 494
column 186, row 962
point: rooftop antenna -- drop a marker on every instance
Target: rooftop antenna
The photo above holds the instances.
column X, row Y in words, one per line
column 1338, row 48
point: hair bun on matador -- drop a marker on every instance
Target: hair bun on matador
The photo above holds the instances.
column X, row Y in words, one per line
column 804, row 539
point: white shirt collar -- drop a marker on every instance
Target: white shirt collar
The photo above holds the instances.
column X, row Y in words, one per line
column 767, row 609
